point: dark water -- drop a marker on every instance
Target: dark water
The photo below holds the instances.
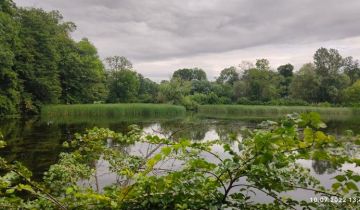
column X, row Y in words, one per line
column 37, row 143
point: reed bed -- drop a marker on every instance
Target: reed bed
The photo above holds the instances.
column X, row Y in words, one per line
column 79, row 112
column 263, row 112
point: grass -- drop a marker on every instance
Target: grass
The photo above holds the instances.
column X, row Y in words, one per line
column 115, row 112
column 265, row 112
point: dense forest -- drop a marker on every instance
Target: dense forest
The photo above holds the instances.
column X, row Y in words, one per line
column 41, row 64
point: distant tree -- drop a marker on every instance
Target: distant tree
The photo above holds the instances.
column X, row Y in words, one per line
column 286, row 70
column 189, row 74
column 262, row 64
column 228, row 75
column 327, row 61
column 201, row 86
column 286, row 73
column 245, row 65
column 123, row 86
column 352, row 69
column 173, row 91
column 123, row 82
column 148, row 90
column 352, row 93
column 260, row 85
column 117, row 63
column 305, row 84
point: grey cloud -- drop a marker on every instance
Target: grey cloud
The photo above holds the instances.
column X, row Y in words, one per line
column 151, row 30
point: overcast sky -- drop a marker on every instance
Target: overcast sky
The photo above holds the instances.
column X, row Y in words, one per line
column 160, row 36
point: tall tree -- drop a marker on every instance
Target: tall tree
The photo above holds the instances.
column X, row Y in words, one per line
column 228, row 75
column 37, row 57
column 286, row 74
column 9, row 83
column 117, row 63
column 328, row 63
column 82, row 73
column 352, row 69
column 262, row 64
column 189, row 74
column 123, row 82
column 260, row 85
column 306, row 84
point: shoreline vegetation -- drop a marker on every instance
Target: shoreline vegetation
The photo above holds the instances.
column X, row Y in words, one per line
column 78, row 112
column 112, row 110
column 265, row 111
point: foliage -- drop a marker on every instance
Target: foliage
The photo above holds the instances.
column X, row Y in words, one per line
column 123, row 86
column 173, row 91
column 306, row 84
column 41, row 64
column 82, row 73
column 260, row 84
column 117, row 63
column 272, row 111
column 189, row 74
column 228, row 75
column 352, row 93
column 264, row 161
column 9, row 82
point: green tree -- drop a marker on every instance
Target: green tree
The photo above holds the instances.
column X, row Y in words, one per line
column 352, row 93
column 286, row 74
column 305, row 84
column 148, row 90
column 262, row 64
column 123, row 82
column 260, row 85
column 189, row 74
column 123, row 86
column 37, row 56
column 117, row 63
column 328, row 63
column 82, row 73
column 173, row 91
column 9, row 83
column 351, row 69
column 228, row 75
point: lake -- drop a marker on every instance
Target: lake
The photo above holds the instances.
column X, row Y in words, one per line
column 37, row 143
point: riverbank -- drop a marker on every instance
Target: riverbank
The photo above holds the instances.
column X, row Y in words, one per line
column 264, row 112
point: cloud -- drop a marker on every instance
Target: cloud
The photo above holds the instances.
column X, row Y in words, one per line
column 161, row 33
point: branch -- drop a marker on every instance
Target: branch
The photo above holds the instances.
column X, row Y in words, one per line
column 267, row 193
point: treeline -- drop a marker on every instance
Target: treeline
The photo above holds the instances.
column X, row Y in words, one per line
column 41, row 64
column 330, row 80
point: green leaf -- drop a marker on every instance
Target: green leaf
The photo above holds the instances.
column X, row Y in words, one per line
column 351, row 186
column 166, row 150
column 336, row 186
column 10, row 191
column 340, row 178
column 69, row 190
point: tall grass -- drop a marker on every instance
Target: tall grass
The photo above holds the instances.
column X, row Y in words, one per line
column 114, row 112
column 258, row 111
